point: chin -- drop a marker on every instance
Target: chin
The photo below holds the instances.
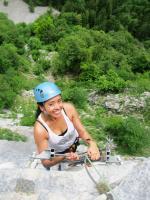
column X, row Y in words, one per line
column 56, row 115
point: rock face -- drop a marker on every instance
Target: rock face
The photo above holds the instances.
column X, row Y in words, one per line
column 46, row 185
column 120, row 103
column 18, row 11
column 18, row 181
column 40, row 184
column 136, row 185
column 126, row 103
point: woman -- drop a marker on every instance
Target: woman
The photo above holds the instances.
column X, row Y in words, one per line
column 58, row 126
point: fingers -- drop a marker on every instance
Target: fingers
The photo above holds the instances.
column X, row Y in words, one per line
column 94, row 155
column 72, row 156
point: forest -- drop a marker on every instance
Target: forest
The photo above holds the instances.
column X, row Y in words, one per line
column 92, row 45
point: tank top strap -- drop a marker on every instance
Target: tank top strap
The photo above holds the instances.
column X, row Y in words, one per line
column 65, row 116
column 44, row 124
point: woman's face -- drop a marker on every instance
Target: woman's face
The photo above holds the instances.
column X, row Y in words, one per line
column 53, row 106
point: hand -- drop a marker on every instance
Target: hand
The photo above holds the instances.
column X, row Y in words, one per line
column 93, row 151
column 72, row 156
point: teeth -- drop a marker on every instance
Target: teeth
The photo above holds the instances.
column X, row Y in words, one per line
column 57, row 112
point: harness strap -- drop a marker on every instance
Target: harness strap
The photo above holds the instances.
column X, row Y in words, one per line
column 72, row 148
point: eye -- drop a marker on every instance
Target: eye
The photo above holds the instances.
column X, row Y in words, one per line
column 60, row 100
column 51, row 104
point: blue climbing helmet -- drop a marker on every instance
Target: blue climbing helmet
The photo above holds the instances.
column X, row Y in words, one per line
column 45, row 91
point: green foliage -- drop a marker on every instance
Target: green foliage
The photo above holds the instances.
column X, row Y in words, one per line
column 77, row 95
column 34, row 43
column 9, row 58
column 129, row 134
column 29, row 117
column 5, row 2
column 7, row 95
column 72, row 52
column 42, row 66
column 25, row 31
column 38, row 2
column 140, row 83
column 111, row 15
column 94, row 124
column 35, row 54
column 11, row 84
column 103, row 187
column 146, row 112
column 44, row 28
column 91, row 54
column 31, row 6
column 27, row 108
column 141, row 62
column 6, row 134
column 90, row 72
column 9, row 32
column 110, row 82
column 72, row 18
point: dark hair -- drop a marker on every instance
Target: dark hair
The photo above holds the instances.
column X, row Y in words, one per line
column 38, row 111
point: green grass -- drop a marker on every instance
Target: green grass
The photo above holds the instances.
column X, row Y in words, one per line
column 27, row 107
column 6, row 134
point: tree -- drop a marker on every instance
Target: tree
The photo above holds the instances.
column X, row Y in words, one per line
column 72, row 51
column 44, row 29
column 8, row 57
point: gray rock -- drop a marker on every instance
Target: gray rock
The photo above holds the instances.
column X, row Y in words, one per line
column 101, row 197
column 25, row 186
column 20, row 182
column 136, row 185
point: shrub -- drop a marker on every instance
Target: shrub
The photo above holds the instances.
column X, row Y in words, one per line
column 129, row 134
column 44, row 28
column 5, row 2
column 31, row 8
column 141, row 83
column 7, row 95
column 76, row 95
column 110, row 82
column 146, row 111
column 34, row 43
column 26, row 107
column 6, row 134
column 72, row 52
column 72, row 18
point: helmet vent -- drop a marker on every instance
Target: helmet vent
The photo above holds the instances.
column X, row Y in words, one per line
column 41, row 93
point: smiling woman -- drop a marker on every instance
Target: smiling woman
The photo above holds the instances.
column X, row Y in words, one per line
column 58, row 125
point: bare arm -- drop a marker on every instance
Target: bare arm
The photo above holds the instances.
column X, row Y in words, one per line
column 73, row 115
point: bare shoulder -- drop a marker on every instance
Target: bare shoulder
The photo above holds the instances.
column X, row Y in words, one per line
column 39, row 132
column 69, row 109
column 68, row 106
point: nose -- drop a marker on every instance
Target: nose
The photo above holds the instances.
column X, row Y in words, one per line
column 57, row 106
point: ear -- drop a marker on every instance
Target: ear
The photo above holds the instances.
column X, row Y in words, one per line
column 41, row 108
